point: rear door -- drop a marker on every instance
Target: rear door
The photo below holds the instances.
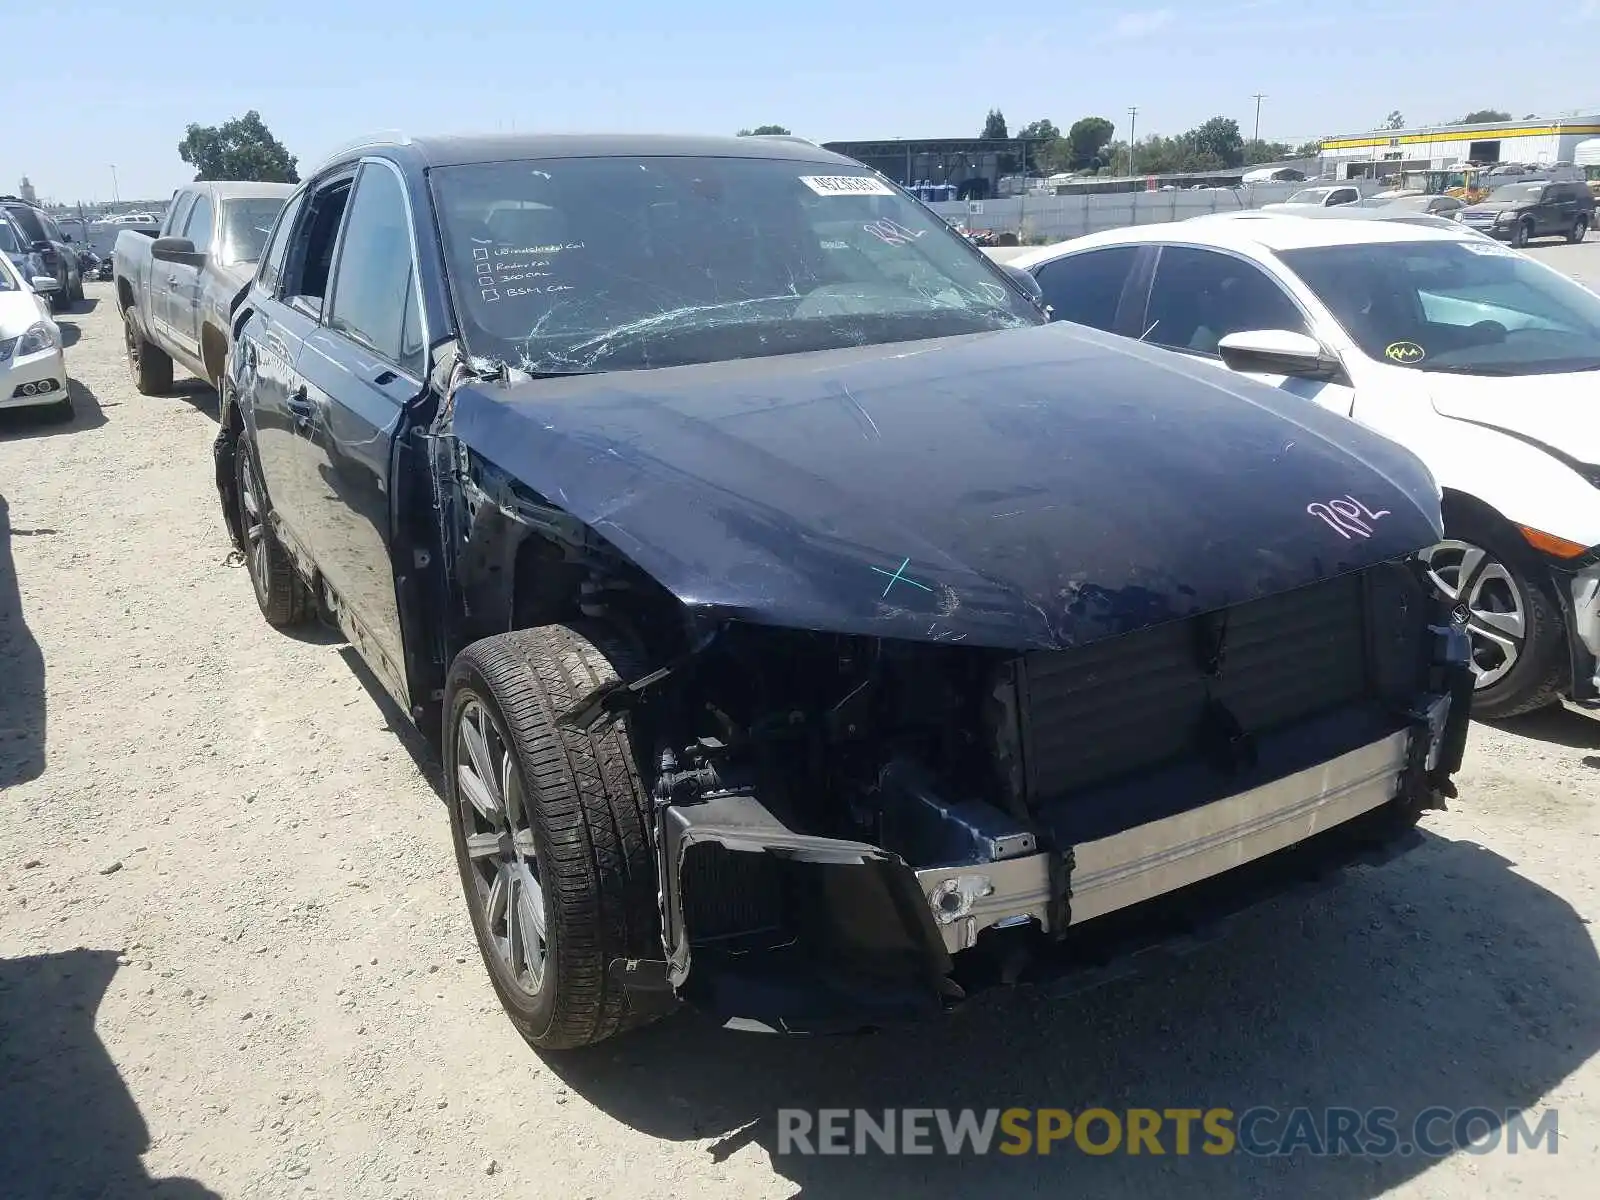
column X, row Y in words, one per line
column 282, row 413
column 361, row 367
column 183, row 281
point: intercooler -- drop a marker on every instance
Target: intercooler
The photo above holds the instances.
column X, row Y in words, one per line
column 1209, row 689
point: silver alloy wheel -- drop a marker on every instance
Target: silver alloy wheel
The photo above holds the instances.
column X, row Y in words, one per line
column 255, row 533
column 1497, row 614
column 494, row 820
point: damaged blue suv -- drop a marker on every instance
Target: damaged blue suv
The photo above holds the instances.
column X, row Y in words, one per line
column 810, row 631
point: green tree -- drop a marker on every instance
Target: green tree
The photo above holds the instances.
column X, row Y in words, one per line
column 763, row 131
column 1308, row 149
column 1044, row 149
column 1088, row 142
column 240, row 149
column 1256, row 151
column 1216, row 143
column 994, row 125
column 1484, row 116
column 1394, row 120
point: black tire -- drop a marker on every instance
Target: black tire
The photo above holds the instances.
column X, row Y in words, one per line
column 281, row 594
column 581, row 809
column 1580, row 230
column 1542, row 668
column 150, row 366
column 61, row 298
column 1521, row 234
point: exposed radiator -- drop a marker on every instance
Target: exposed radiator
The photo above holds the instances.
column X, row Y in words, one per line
column 1152, row 697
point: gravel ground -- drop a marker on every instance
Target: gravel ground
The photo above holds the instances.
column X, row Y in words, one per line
column 234, row 960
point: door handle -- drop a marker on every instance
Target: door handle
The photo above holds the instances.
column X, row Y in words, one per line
column 301, row 407
column 172, row 281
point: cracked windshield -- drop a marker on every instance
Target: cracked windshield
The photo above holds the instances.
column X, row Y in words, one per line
column 620, row 263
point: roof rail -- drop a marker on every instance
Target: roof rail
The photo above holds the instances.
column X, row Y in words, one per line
column 379, row 137
column 783, row 137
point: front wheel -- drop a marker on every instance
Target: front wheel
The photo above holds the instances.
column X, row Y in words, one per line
column 1519, row 643
column 1521, row 234
column 550, row 830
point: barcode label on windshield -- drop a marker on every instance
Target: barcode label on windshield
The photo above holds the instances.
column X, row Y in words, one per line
column 846, row 185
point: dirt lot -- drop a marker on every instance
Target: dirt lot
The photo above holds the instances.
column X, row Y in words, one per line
column 234, row 961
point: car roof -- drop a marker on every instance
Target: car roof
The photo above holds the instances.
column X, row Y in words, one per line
column 1250, row 230
column 448, row 150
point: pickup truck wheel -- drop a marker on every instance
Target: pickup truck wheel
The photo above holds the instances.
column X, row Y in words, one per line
column 150, row 366
column 551, row 831
column 1519, row 643
column 282, row 595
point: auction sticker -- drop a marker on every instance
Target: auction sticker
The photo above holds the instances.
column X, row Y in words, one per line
column 846, row 185
column 1404, row 353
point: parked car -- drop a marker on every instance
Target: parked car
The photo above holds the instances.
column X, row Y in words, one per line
column 810, row 631
column 60, row 282
column 1479, row 359
column 1436, row 206
column 176, row 292
column 1520, row 212
column 1318, row 197
column 32, row 369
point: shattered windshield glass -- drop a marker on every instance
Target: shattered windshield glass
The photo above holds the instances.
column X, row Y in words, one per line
column 593, row 264
column 245, row 226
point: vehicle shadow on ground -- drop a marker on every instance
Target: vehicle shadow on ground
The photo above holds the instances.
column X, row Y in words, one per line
column 397, row 722
column 71, row 333
column 21, row 424
column 71, row 1125
column 198, row 393
column 78, row 308
column 22, row 701
column 1560, row 726
column 1442, row 979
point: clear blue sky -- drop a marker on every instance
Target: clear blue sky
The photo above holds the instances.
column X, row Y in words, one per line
column 323, row 72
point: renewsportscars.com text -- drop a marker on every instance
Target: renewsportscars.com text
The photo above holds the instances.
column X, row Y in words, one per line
column 1260, row 1131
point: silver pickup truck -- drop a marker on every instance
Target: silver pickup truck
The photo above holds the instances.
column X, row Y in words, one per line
column 175, row 291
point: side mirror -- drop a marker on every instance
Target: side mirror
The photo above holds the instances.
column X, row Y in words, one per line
column 1025, row 281
column 179, row 250
column 1278, row 352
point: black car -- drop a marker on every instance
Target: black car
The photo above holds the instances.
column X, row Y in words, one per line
column 812, row 632
column 1519, row 212
column 54, row 248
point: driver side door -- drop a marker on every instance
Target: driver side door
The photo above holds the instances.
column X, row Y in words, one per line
column 1200, row 295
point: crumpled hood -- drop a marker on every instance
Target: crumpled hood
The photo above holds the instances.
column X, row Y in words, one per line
column 1561, row 412
column 1036, row 487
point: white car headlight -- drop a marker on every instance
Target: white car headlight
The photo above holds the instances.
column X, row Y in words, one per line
column 40, row 336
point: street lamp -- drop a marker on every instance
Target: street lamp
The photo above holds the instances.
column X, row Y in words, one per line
column 1133, row 128
column 1259, row 97
column 115, row 197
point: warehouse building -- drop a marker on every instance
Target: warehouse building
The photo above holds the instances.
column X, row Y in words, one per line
column 1537, row 141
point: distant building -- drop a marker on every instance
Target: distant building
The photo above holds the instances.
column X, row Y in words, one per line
column 26, row 191
column 1537, row 142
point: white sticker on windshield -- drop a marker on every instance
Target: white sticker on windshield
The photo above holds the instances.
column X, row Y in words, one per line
column 846, row 185
column 1490, row 249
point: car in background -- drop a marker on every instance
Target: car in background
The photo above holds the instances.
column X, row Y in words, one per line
column 812, row 632
column 33, row 370
column 54, row 247
column 1520, row 212
column 176, row 291
column 1436, row 206
column 1318, row 197
column 1482, row 361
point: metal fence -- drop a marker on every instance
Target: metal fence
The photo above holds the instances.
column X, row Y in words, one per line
column 1054, row 218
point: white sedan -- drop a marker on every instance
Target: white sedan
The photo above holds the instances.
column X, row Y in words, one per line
column 33, row 370
column 1482, row 361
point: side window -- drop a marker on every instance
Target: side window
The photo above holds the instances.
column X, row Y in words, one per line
column 310, row 259
column 372, row 280
column 1087, row 288
column 198, row 227
column 272, row 259
column 1199, row 297
column 178, row 214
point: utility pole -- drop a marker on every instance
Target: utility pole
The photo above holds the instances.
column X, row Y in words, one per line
column 1259, row 97
column 1133, row 126
column 115, row 198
